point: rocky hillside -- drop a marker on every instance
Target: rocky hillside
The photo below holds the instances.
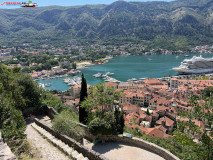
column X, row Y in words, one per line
column 182, row 21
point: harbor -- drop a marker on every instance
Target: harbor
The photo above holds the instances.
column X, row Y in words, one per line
column 106, row 77
column 126, row 68
column 73, row 81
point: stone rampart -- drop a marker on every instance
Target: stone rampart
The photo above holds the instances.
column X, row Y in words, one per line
column 133, row 141
column 50, row 111
column 142, row 144
column 72, row 143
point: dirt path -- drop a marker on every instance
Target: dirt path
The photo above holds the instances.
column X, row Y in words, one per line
column 47, row 150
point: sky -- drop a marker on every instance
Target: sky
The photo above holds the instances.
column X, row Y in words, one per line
column 61, row 2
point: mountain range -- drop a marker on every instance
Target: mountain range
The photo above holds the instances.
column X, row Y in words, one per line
column 172, row 25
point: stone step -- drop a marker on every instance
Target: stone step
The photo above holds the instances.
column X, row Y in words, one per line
column 61, row 144
column 68, row 150
column 74, row 154
column 79, row 157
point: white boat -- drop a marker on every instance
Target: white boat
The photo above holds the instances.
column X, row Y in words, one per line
column 109, row 74
column 195, row 65
column 133, row 79
column 99, row 75
column 41, row 85
column 48, row 84
column 143, row 78
column 67, row 80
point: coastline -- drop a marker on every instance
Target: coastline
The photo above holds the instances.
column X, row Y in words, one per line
column 138, row 67
column 84, row 64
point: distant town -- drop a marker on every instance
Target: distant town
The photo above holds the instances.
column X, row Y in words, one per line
column 127, row 49
column 150, row 105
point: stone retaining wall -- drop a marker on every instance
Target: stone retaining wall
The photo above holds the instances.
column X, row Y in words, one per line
column 72, row 143
column 5, row 152
column 133, row 141
column 141, row 143
column 51, row 112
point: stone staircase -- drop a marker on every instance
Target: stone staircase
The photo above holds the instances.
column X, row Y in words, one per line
column 64, row 147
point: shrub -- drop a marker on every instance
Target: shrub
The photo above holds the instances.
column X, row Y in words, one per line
column 65, row 123
column 104, row 126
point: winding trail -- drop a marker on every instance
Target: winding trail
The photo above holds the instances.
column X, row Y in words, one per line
column 47, row 150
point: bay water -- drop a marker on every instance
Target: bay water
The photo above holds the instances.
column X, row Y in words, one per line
column 127, row 67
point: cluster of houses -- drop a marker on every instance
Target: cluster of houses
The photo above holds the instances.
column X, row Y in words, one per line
column 5, row 53
column 151, row 105
column 54, row 73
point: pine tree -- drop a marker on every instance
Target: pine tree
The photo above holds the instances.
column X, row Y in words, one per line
column 83, row 95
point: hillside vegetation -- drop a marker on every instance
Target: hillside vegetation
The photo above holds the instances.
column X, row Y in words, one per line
column 180, row 23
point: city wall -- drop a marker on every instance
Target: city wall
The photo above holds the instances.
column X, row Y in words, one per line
column 133, row 141
column 90, row 154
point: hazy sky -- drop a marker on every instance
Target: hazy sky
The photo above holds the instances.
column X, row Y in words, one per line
column 63, row 2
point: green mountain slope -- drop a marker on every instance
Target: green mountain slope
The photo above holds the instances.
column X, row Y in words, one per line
column 188, row 21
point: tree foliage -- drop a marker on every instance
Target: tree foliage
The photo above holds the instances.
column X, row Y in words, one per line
column 83, row 115
column 100, row 105
column 65, row 123
column 17, row 92
column 172, row 25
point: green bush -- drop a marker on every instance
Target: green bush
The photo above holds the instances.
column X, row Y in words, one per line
column 104, row 126
column 18, row 92
column 52, row 101
column 65, row 123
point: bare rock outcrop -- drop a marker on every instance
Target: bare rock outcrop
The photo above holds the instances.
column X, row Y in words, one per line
column 5, row 152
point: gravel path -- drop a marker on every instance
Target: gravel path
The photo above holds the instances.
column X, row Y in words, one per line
column 47, row 150
column 120, row 151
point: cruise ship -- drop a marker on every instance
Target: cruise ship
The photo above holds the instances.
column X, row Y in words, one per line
column 195, row 65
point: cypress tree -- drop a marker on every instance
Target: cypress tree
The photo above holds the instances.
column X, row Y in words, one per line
column 83, row 95
column 119, row 120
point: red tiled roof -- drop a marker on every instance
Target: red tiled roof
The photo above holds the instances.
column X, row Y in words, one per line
column 111, row 84
column 151, row 81
column 168, row 121
column 154, row 132
column 162, row 128
column 129, row 107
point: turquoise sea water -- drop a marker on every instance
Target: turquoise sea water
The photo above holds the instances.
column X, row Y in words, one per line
column 127, row 67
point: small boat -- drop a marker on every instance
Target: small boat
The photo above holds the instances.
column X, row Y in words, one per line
column 143, row 78
column 186, row 55
column 47, row 84
column 98, row 75
column 133, row 79
column 41, row 85
column 177, row 57
column 67, row 80
column 149, row 59
column 109, row 74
